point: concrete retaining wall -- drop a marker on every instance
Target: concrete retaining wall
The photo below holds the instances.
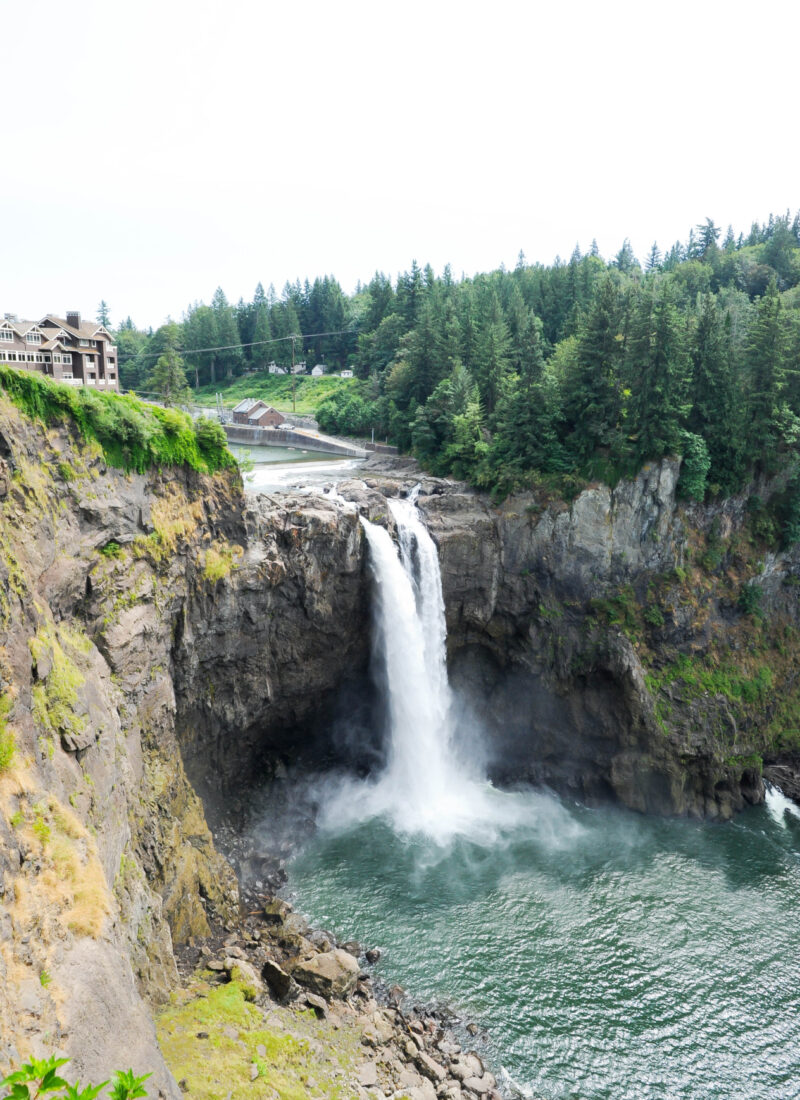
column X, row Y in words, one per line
column 280, row 437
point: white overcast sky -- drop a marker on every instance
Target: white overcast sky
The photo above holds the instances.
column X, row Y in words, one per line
column 156, row 150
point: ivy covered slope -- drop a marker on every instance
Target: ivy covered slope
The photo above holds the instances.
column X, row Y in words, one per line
column 132, row 435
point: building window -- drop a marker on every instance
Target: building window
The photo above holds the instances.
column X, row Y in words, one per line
column 6, row 334
column 33, row 337
column 84, row 343
column 39, row 358
column 30, row 358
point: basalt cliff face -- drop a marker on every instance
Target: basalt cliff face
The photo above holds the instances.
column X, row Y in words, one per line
column 624, row 647
column 166, row 640
column 150, row 627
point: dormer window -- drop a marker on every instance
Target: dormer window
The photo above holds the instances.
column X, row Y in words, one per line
column 6, row 334
column 33, row 337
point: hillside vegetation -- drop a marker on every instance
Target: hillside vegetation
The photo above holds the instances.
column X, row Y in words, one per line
column 560, row 374
column 276, row 390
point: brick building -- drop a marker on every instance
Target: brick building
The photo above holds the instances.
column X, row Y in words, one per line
column 257, row 413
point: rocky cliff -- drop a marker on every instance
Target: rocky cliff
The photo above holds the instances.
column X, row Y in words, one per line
column 624, row 646
column 166, row 640
column 149, row 625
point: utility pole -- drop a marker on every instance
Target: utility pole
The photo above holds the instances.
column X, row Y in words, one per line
column 294, row 406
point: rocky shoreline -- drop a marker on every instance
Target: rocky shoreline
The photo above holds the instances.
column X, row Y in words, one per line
column 278, row 962
column 409, row 1050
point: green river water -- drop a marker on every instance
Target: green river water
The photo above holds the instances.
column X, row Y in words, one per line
column 607, row 955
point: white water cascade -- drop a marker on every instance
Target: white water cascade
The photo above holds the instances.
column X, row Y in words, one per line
column 424, row 780
column 429, row 786
column 779, row 805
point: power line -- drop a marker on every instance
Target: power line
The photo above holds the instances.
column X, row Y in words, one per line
column 252, row 344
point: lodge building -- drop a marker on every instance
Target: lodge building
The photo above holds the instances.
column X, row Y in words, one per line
column 80, row 353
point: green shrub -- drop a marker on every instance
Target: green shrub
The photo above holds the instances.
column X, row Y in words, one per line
column 695, row 467
column 40, row 1076
column 762, row 521
column 7, row 743
column 652, row 615
column 111, row 550
column 749, row 602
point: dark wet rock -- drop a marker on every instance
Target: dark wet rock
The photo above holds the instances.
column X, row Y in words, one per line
column 276, row 911
column 282, row 985
column 319, row 1004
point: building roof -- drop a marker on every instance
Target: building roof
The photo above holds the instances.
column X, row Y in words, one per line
column 88, row 330
column 17, row 326
column 249, row 404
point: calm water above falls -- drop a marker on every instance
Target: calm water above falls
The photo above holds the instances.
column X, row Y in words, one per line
column 609, row 955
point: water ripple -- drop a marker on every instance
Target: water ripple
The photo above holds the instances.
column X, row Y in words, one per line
column 642, row 959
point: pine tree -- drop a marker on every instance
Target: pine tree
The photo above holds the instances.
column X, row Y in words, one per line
column 229, row 357
column 766, row 358
column 593, row 397
column 262, row 351
column 168, row 379
column 527, row 419
column 658, row 373
column 492, row 351
column 715, row 394
column 653, row 258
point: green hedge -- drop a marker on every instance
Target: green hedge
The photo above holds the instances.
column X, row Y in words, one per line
column 133, row 435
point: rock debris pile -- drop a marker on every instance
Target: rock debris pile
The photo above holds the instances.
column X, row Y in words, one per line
column 283, row 966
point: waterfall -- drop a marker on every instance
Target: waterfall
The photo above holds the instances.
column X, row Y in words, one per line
column 429, row 785
column 424, row 782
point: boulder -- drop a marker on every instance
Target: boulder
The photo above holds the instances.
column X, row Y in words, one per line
column 430, row 1069
column 331, row 973
column 247, row 977
column 281, row 984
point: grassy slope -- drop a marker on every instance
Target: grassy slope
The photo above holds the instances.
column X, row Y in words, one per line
column 299, row 1057
column 276, row 390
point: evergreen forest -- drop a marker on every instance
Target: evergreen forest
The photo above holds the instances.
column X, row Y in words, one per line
column 583, row 369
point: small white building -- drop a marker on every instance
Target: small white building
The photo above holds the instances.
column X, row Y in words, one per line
column 346, row 374
column 317, row 371
column 273, row 368
column 299, row 368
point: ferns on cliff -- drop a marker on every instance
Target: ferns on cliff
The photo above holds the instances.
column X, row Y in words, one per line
column 133, row 435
